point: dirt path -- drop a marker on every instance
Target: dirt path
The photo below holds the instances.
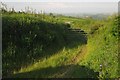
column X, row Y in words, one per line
column 75, row 60
column 79, row 55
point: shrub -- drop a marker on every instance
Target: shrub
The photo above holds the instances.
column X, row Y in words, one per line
column 25, row 38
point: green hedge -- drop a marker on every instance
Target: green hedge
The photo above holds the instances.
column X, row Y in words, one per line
column 25, row 38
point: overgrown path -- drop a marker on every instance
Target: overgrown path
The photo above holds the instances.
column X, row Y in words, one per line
column 64, row 64
column 65, row 70
column 74, row 61
column 80, row 55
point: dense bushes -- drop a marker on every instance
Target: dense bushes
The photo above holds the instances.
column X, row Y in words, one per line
column 103, row 50
column 95, row 27
column 25, row 39
column 116, row 30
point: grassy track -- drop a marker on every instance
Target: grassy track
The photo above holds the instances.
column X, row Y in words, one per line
column 67, row 68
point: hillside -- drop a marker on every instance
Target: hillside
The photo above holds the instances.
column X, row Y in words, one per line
column 44, row 46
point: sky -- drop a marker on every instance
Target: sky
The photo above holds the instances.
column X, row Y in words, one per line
column 66, row 6
column 60, row 0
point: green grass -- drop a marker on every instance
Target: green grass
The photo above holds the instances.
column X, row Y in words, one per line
column 44, row 49
column 103, row 50
column 62, row 57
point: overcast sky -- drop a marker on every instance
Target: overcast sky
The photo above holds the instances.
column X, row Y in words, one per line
column 67, row 7
column 60, row 0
